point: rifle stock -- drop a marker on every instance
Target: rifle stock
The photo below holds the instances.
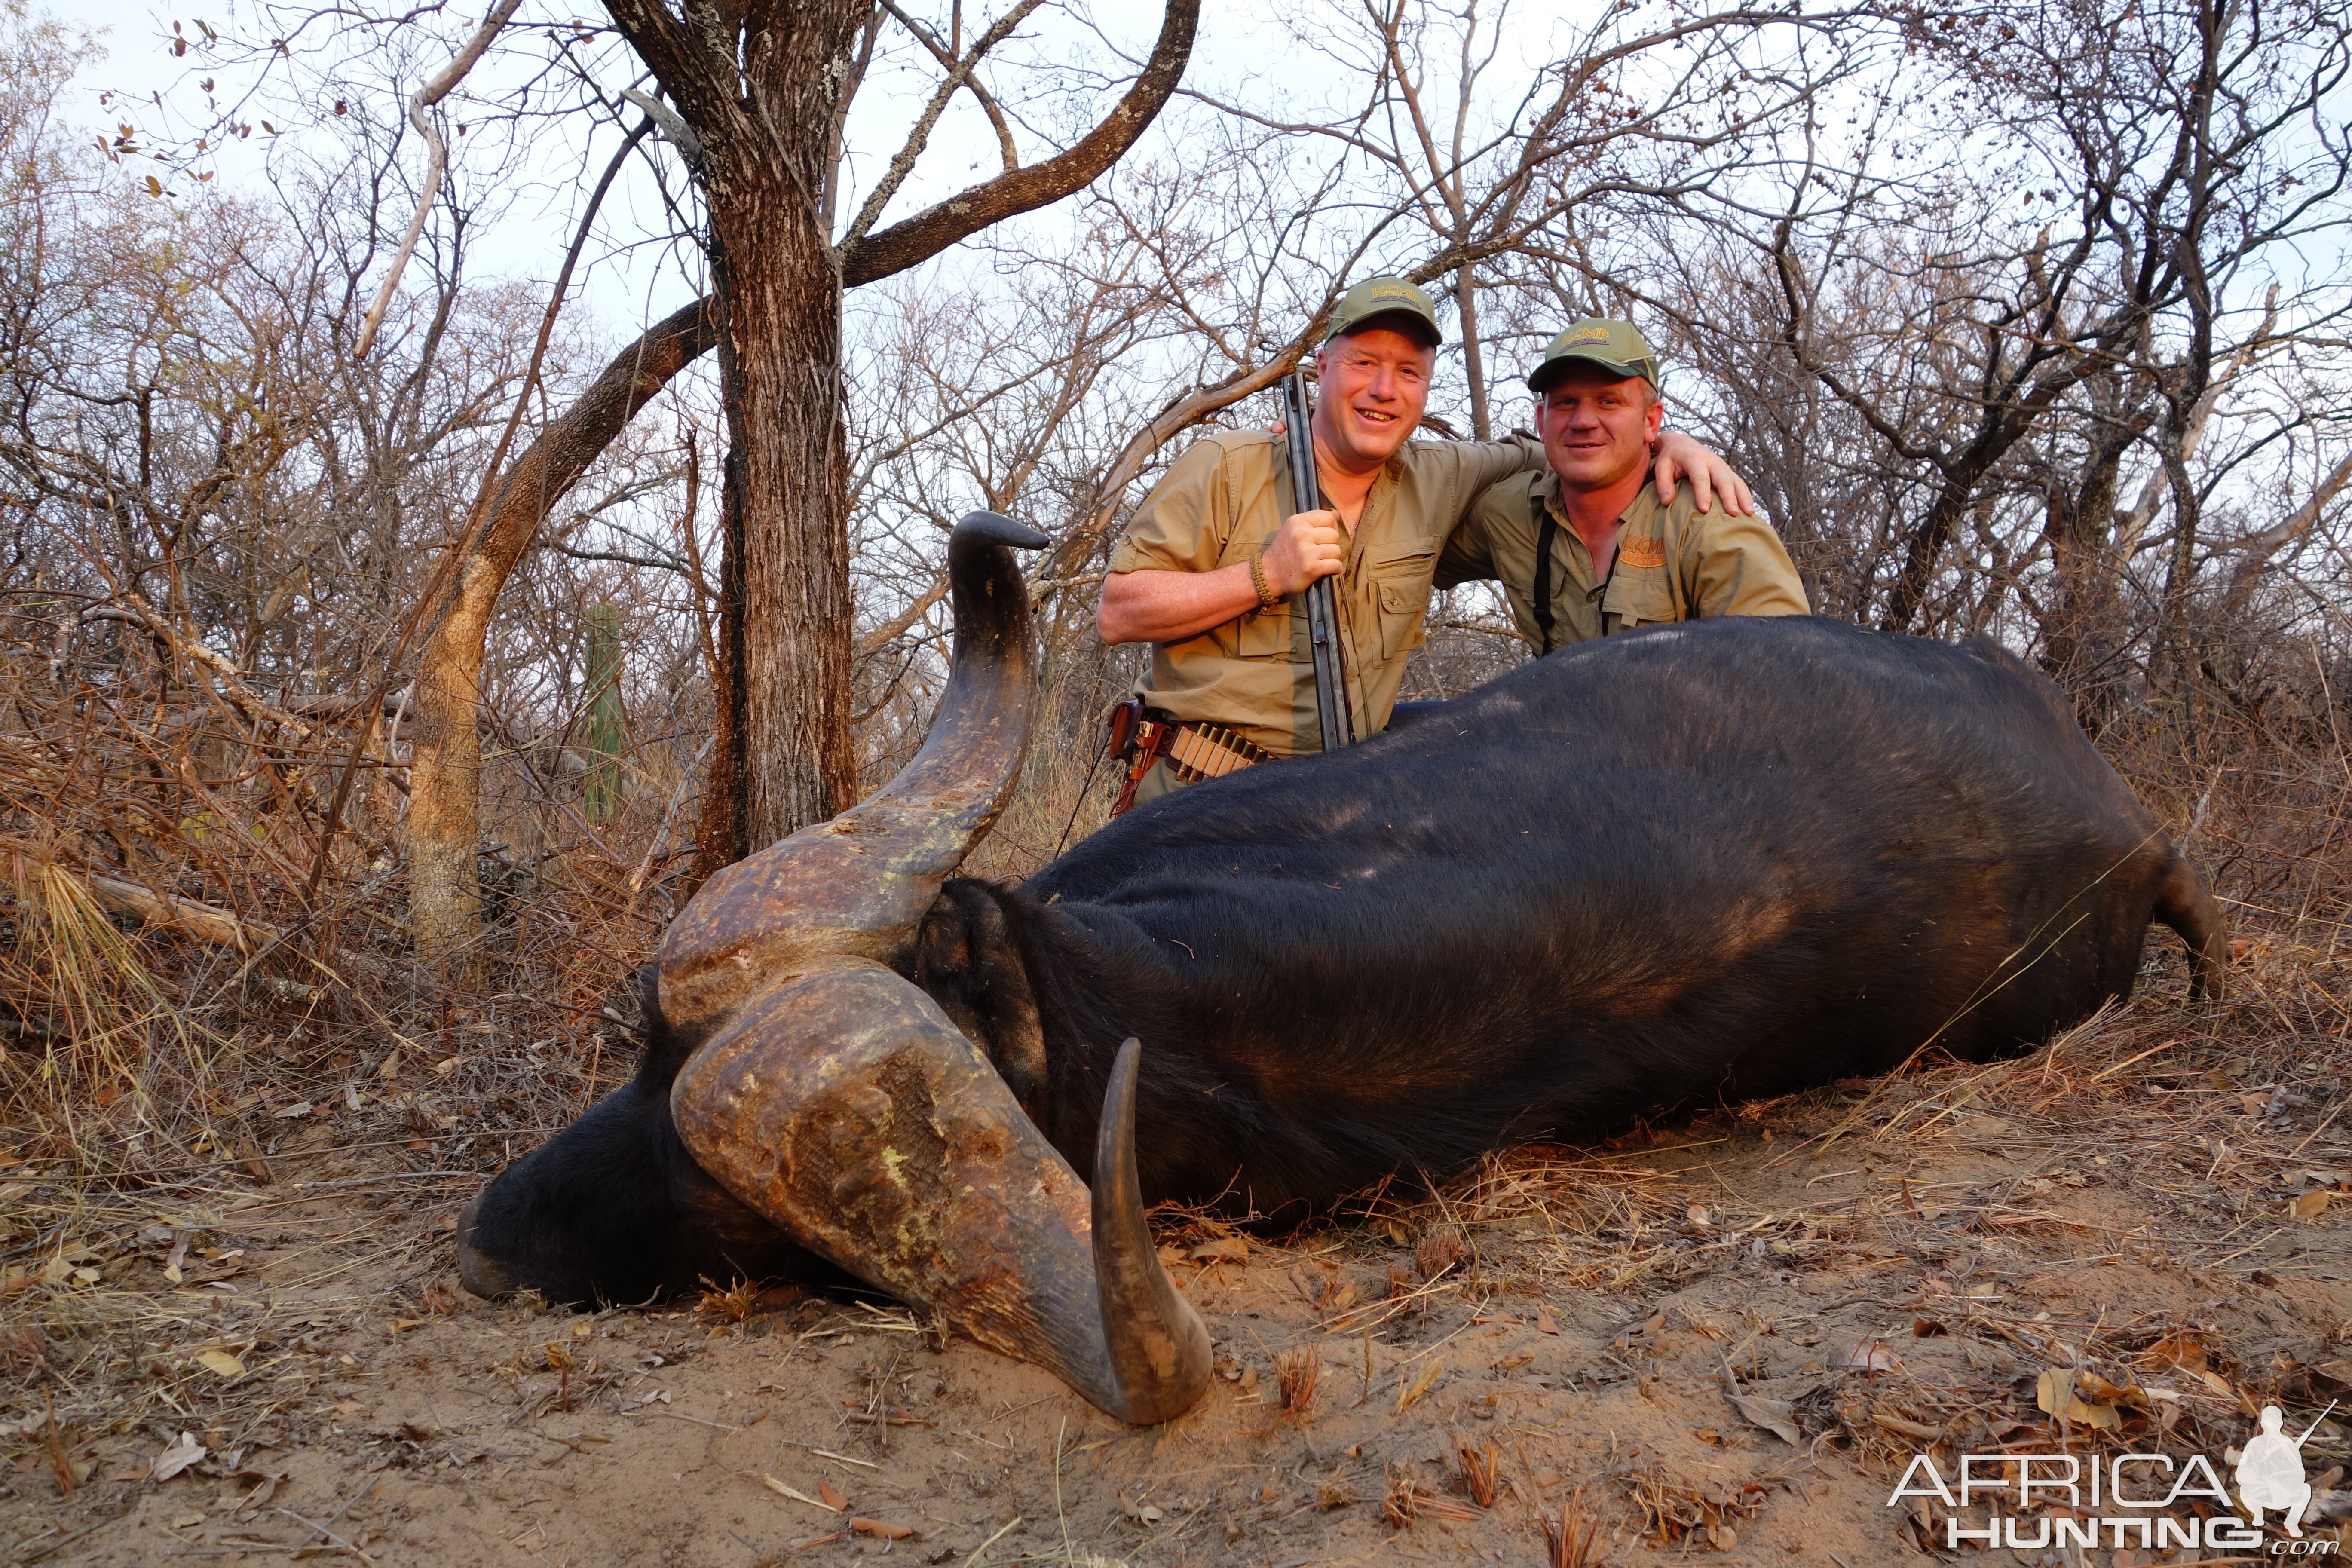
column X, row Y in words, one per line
column 1322, row 613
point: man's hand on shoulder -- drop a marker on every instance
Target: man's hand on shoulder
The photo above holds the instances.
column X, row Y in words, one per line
column 1309, row 545
column 1711, row 480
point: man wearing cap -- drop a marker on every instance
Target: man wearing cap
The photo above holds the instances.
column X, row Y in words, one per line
column 1212, row 562
column 1588, row 546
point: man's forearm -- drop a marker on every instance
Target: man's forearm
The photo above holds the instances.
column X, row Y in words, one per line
column 1158, row 607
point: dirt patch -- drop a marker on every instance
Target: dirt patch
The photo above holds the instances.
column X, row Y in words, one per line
column 1720, row 1341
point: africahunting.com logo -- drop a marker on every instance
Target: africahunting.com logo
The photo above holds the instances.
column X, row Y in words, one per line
column 2147, row 1502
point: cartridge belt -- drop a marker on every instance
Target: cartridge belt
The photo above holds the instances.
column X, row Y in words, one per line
column 1141, row 736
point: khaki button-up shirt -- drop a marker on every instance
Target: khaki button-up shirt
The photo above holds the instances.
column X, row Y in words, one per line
column 1224, row 500
column 1673, row 563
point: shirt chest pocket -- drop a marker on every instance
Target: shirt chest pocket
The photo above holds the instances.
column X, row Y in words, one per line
column 1402, row 604
column 1258, row 633
column 1640, row 598
column 1262, row 633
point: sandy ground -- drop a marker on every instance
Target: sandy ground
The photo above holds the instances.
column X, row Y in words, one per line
column 1721, row 1341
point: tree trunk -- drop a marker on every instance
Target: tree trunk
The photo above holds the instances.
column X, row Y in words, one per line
column 761, row 89
column 445, row 775
column 792, row 759
column 719, row 835
column 2082, row 634
column 2178, row 641
column 1474, row 352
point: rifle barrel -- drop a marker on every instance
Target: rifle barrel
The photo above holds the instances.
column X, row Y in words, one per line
column 1322, row 613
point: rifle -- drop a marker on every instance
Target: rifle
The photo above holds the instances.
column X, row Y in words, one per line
column 1322, row 613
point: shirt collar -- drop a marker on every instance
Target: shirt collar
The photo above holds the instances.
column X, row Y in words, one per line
column 1643, row 504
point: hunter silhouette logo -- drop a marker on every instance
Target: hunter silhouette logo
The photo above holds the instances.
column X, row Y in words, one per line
column 2270, row 1470
column 2143, row 1500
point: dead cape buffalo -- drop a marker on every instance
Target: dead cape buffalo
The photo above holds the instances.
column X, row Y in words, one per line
column 1731, row 858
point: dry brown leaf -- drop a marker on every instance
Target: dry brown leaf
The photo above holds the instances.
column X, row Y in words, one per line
column 184, row 1452
column 2097, row 1389
column 1863, row 1355
column 881, row 1532
column 1777, row 1417
column 1907, row 1427
column 1544, row 1325
column 2178, row 1348
column 221, row 1363
column 832, row 1498
column 2310, row 1204
column 2055, row 1394
column 1226, row 1249
column 1650, row 1325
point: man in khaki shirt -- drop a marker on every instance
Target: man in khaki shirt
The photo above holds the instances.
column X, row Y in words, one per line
column 1587, row 547
column 1213, row 561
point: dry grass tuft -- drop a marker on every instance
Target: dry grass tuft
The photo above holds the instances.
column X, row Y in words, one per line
column 1297, row 1371
column 1440, row 1249
column 1407, row 1501
column 1481, row 1471
column 1575, row 1540
column 1397, row 1502
column 740, row 1302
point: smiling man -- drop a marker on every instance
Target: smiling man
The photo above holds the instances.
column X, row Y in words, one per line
column 1589, row 546
column 1212, row 562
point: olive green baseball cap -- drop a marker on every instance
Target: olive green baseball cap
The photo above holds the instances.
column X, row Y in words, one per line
column 1377, row 297
column 1615, row 346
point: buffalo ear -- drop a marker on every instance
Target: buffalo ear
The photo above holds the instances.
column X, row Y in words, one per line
column 665, row 1046
column 966, row 961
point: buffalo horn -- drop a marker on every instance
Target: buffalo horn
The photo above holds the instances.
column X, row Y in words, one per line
column 1158, row 1348
column 836, row 1098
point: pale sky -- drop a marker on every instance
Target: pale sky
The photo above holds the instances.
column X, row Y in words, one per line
column 1236, row 44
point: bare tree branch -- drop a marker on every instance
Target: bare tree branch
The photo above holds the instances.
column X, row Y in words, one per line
column 436, row 163
column 1017, row 191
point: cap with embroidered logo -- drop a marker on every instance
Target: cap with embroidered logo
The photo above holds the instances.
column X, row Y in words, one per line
column 1615, row 346
column 1390, row 296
